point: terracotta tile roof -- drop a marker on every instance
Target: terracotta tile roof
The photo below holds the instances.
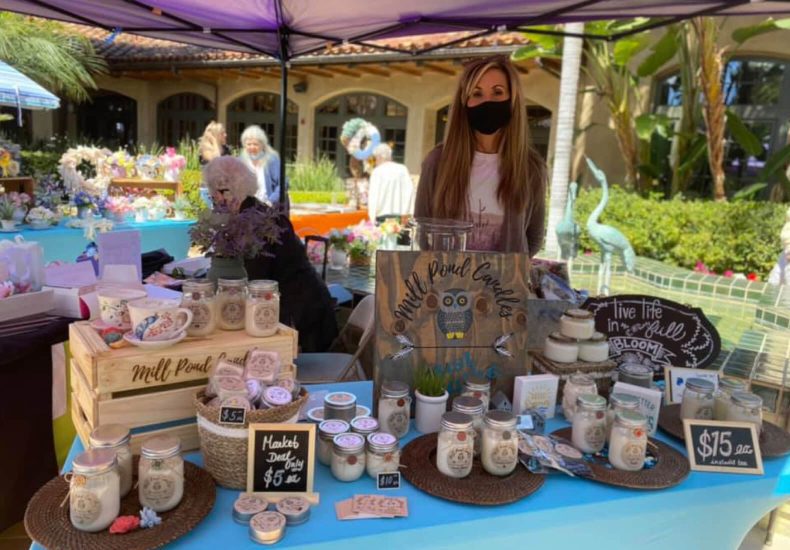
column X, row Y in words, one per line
column 129, row 49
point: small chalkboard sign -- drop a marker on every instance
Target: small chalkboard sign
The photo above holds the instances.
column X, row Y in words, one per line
column 730, row 447
column 281, row 461
column 388, row 480
column 232, row 415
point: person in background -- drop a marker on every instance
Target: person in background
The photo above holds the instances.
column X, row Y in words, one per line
column 391, row 189
column 213, row 142
column 486, row 171
column 305, row 302
column 264, row 162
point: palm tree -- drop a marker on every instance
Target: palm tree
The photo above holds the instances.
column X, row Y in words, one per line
column 58, row 59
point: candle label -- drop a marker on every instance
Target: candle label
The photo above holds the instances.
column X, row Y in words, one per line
column 459, row 458
column 292, row 505
column 704, row 413
column 398, row 422
column 158, row 489
column 85, row 507
column 268, row 521
column 233, row 312
column 505, row 453
column 201, row 315
column 633, row 454
column 250, row 504
column 266, row 315
column 595, row 435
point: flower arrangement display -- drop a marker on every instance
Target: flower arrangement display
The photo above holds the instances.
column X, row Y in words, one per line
column 390, row 226
column 122, row 165
column 140, row 205
column 148, row 166
column 7, row 210
column 86, row 169
column 366, row 237
column 340, row 240
column 180, row 207
column 118, row 207
column 41, row 217
column 9, row 159
column 173, row 164
column 49, row 191
column 224, row 233
column 158, row 207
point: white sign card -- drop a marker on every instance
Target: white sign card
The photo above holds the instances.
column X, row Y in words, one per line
column 120, row 247
column 649, row 402
column 675, row 381
column 537, row 391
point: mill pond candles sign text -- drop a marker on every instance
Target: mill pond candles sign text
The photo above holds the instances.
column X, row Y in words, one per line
column 655, row 331
column 730, row 447
column 462, row 313
column 281, row 460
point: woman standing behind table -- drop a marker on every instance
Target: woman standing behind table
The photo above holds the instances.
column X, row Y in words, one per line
column 264, row 162
column 213, row 142
column 486, row 171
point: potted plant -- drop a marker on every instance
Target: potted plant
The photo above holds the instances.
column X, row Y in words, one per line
column 158, row 208
column 141, row 206
column 7, row 208
column 339, row 242
column 430, row 389
column 118, row 208
column 84, row 203
column 390, row 229
column 180, row 207
column 21, row 202
column 40, row 217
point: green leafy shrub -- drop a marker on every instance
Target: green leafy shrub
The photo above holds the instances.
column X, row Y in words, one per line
column 320, row 197
column 191, row 180
column 741, row 236
column 39, row 163
column 314, row 175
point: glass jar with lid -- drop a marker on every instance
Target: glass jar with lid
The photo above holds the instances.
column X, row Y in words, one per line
column 94, row 490
column 341, row 405
column 231, row 299
column 455, row 445
column 619, row 402
column 577, row 384
column 394, row 408
column 723, row 394
column 499, row 450
column 440, row 234
column 479, row 387
column 697, row 399
column 348, row 456
column 589, row 423
column 262, row 314
column 746, row 407
column 327, row 430
column 199, row 298
column 116, row 437
column 161, row 473
column 628, row 444
column 383, row 454
column 473, row 407
column 364, row 425
column 635, row 374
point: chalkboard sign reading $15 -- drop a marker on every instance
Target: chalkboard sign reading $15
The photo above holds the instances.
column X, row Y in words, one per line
column 723, row 446
column 281, row 460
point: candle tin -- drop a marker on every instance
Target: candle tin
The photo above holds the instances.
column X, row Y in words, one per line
column 295, row 509
column 267, row 527
column 247, row 506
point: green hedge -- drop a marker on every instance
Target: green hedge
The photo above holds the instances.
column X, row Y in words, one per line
column 39, row 163
column 190, row 180
column 320, row 197
column 741, row 236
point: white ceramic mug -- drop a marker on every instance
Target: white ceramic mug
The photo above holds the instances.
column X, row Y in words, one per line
column 157, row 319
column 113, row 305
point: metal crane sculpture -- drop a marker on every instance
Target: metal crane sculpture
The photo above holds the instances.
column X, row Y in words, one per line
column 568, row 230
column 610, row 239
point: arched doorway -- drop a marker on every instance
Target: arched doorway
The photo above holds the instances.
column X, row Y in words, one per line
column 183, row 116
column 108, row 118
column 388, row 115
column 263, row 109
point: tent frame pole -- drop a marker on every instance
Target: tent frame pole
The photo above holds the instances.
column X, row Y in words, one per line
column 283, row 34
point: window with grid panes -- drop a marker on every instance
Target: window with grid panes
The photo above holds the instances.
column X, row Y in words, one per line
column 183, row 116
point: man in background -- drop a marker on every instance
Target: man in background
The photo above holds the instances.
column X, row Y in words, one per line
column 391, row 189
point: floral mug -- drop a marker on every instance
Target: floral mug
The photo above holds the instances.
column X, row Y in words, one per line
column 154, row 319
column 113, row 305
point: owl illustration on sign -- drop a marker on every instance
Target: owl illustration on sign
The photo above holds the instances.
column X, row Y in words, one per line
column 455, row 313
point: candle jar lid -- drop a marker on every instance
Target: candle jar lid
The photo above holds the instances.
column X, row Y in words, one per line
column 109, row 435
column 624, row 401
column 295, row 509
column 468, row 405
column 197, row 285
column 161, row 447
column 235, row 282
column 246, row 506
column 316, row 414
column 263, row 285
column 478, row 383
column 94, row 461
column 591, row 402
column 732, row 385
column 500, row 419
column 630, row 419
column 382, row 442
column 456, row 421
column 267, row 527
column 276, row 396
column 699, row 385
column 364, row 425
column 561, row 338
column 581, row 379
column 348, row 443
column 746, row 399
column 636, row 370
column 596, row 338
column 394, row 390
column 579, row 313
column 328, row 429
column 340, row 400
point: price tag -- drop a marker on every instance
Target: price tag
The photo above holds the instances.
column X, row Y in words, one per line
column 731, row 447
column 389, row 480
column 232, row 415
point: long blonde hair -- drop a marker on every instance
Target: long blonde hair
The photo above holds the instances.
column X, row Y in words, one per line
column 209, row 146
column 521, row 169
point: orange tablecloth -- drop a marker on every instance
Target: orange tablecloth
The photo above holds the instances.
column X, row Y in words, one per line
column 321, row 224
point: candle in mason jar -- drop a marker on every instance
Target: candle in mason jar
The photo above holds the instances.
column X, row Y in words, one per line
column 589, row 423
column 327, row 430
column 746, row 407
column 383, row 454
column 594, row 350
column 263, row 308
column 723, row 394
column 161, row 473
column 560, row 348
column 231, row 298
column 364, row 425
column 473, row 407
column 198, row 297
column 116, row 437
column 94, row 490
column 577, row 384
column 619, row 402
column 499, row 450
column 697, row 399
column 628, row 443
column 635, row 374
column 455, row 445
column 479, row 387
column 394, row 408
column 348, row 457
column 578, row 324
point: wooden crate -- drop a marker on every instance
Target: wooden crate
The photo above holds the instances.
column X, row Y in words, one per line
column 152, row 392
column 600, row 372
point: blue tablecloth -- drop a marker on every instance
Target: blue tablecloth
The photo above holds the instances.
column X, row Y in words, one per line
column 707, row 511
column 66, row 243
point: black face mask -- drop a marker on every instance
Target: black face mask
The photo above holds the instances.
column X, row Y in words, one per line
column 489, row 117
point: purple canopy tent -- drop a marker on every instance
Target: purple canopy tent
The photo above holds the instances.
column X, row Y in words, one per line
column 286, row 29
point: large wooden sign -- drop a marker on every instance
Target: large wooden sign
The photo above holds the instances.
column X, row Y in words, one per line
column 462, row 313
column 655, row 331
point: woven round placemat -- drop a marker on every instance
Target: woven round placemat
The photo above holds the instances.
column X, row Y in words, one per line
column 774, row 441
column 670, row 469
column 418, row 461
column 47, row 522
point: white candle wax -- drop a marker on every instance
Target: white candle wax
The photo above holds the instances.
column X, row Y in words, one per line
column 454, row 452
column 94, row 501
column 161, row 483
column 499, row 452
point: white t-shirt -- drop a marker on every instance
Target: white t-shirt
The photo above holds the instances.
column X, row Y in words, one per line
column 391, row 191
column 485, row 211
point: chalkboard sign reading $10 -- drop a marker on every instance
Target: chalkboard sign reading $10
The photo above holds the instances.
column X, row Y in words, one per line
column 723, row 446
column 281, row 460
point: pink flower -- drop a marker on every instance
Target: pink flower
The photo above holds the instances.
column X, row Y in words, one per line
column 728, row 273
column 171, row 151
